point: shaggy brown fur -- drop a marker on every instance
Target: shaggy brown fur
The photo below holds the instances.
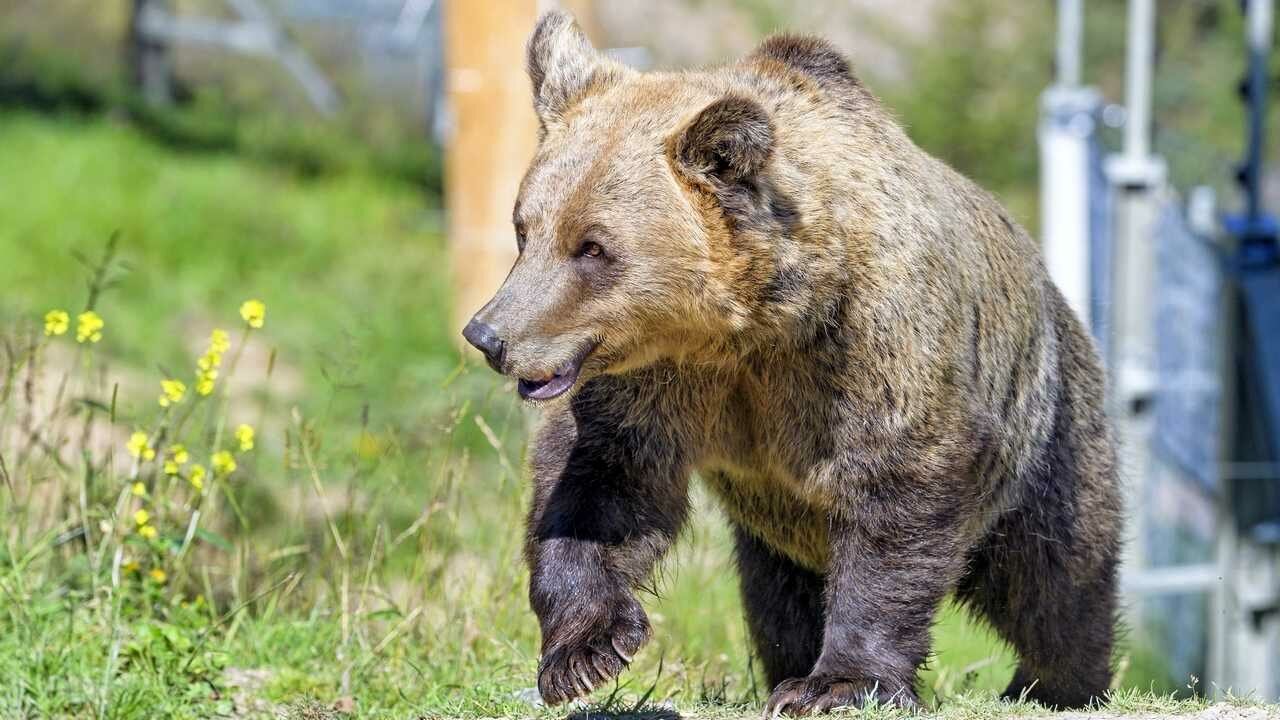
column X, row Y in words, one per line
column 752, row 273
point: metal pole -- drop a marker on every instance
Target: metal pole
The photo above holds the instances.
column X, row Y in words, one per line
column 1259, row 23
column 1137, row 180
column 147, row 54
column 1070, row 33
column 1067, row 125
column 323, row 96
column 1137, row 177
column 1138, row 65
column 1220, row 663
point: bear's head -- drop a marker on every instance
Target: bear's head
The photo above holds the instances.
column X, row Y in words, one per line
column 647, row 222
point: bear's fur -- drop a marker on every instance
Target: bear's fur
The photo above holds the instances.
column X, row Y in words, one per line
column 752, row 273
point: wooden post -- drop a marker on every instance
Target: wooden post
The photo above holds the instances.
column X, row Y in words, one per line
column 147, row 55
column 492, row 138
column 584, row 11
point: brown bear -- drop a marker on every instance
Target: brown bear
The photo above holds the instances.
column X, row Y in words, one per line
column 751, row 273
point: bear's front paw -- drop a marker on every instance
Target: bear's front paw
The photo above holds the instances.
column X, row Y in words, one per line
column 590, row 647
column 824, row 693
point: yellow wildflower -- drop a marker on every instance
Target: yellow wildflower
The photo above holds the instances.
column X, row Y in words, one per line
column 172, row 392
column 56, row 322
column 204, row 382
column 244, row 435
column 139, row 447
column 89, row 326
column 197, row 477
column 158, row 576
column 206, row 372
column 148, row 532
column 223, row 463
column 368, row 445
column 131, row 566
column 178, row 457
column 138, row 489
column 209, row 361
column 141, row 516
column 219, row 341
column 207, row 365
column 253, row 312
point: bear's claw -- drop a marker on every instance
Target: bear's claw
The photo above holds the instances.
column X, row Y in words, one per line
column 573, row 669
column 819, row 694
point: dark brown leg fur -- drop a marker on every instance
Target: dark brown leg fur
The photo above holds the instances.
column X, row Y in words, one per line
column 1061, row 628
column 890, row 567
column 606, row 507
column 783, row 604
column 1045, row 578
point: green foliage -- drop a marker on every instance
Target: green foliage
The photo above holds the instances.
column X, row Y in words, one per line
column 199, row 231
column 310, row 148
column 46, row 77
column 973, row 103
column 38, row 78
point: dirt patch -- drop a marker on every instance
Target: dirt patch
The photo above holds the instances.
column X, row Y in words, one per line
column 245, row 686
column 1217, row 712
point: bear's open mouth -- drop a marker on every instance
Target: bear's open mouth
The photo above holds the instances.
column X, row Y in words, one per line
column 558, row 383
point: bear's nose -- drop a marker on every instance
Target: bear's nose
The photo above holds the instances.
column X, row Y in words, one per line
column 486, row 341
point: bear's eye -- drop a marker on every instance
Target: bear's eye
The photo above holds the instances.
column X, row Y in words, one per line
column 590, row 248
column 520, row 238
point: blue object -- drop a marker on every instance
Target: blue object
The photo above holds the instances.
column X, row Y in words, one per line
column 1256, row 267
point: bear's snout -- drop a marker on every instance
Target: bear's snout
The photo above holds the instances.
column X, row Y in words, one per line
column 485, row 339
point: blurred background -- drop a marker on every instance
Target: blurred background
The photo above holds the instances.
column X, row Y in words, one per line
column 351, row 164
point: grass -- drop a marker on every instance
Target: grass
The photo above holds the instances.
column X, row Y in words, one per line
column 200, row 230
column 364, row 554
column 966, row 706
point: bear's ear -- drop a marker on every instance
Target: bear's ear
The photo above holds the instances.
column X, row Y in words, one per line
column 563, row 65
column 727, row 144
column 812, row 56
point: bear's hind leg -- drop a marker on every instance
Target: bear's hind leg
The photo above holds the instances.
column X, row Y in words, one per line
column 784, row 608
column 1045, row 579
column 1063, row 645
column 1045, row 575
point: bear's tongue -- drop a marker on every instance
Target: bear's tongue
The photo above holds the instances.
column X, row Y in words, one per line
column 547, row 389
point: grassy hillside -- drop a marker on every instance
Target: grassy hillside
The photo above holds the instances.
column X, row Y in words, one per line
column 364, row 553
column 345, row 262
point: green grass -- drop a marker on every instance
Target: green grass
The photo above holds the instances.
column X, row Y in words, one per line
column 345, row 262
column 368, row 547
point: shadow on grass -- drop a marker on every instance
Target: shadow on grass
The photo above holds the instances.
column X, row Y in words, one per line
column 644, row 713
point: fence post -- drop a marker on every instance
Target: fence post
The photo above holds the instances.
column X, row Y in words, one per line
column 491, row 136
column 147, row 54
